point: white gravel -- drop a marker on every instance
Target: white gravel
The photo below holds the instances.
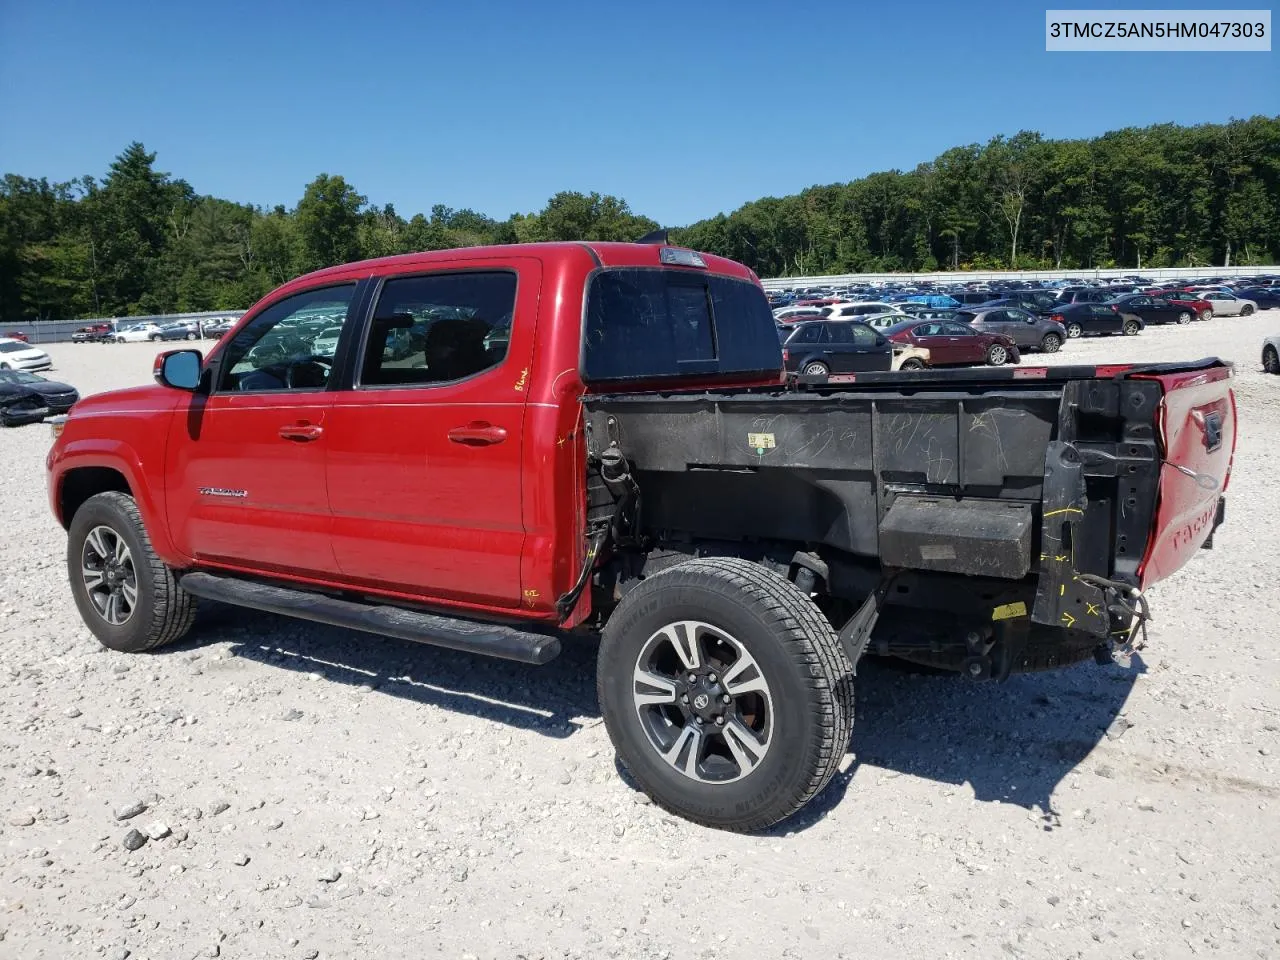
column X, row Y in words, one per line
column 295, row 791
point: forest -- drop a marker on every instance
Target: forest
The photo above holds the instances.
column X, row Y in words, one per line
column 139, row 240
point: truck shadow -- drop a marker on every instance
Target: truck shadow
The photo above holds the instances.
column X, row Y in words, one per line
column 555, row 700
column 1010, row 743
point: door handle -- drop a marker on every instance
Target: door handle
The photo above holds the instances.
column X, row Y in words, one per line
column 478, row 433
column 301, row 432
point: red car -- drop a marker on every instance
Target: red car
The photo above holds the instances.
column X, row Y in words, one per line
column 15, row 335
column 1203, row 308
column 954, row 344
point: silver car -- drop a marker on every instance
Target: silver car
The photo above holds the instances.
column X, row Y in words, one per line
column 1228, row 304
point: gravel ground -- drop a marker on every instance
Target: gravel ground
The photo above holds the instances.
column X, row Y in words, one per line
column 300, row 791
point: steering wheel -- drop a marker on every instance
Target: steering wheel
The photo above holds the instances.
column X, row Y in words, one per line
column 309, row 371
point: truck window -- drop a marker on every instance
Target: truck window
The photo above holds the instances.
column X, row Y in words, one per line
column 276, row 349
column 438, row 328
column 646, row 324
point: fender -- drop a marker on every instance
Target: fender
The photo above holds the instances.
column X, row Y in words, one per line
column 146, row 484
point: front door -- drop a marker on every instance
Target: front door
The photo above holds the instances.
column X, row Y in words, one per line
column 425, row 452
column 246, row 463
column 965, row 342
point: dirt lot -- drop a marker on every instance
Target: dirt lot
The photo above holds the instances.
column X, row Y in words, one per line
column 329, row 794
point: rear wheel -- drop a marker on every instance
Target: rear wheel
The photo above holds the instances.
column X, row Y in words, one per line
column 1246, row 311
column 155, row 338
column 126, row 595
column 1270, row 360
column 1074, row 331
column 1206, row 314
column 725, row 692
column 1184, row 317
column 1051, row 343
column 1131, row 328
column 997, row 355
column 815, row 368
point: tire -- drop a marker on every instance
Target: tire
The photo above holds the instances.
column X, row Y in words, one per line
column 192, row 336
column 731, row 609
column 815, row 368
column 912, row 363
column 1271, row 360
column 1206, row 314
column 997, row 355
column 155, row 338
column 160, row 612
column 1131, row 328
column 1051, row 343
column 4, row 366
column 1184, row 318
column 1246, row 311
column 1074, row 331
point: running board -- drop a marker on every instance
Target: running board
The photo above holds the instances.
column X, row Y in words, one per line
column 470, row 636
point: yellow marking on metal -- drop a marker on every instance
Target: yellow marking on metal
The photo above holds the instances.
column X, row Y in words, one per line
column 532, row 594
column 524, row 378
column 1093, row 610
column 1062, row 590
column 1009, row 610
column 1060, row 559
column 1068, row 619
column 1054, row 513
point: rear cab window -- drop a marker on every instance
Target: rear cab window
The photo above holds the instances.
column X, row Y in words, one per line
column 645, row 323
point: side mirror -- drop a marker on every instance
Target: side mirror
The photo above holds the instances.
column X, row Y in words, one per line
column 179, row 369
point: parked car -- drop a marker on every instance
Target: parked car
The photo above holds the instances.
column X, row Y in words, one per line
column 218, row 328
column 182, row 330
column 1271, row 355
column 954, row 344
column 1082, row 295
column 17, row 335
column 28, row 398
column 1201, row 308
column 796, row 314
column 825, row 347
column 1228, row 304
column 1155, row 309
column 1027, row 330
column 93, row 333
column 20, row 355
column 1088, row 319
column 1266, row 298
column 326, row 344
column 138, row 333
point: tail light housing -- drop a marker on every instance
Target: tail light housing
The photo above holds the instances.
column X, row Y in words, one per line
column 1057, row 318
column 786, row 354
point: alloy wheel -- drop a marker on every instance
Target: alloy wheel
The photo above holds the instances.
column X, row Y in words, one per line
column 703, row 702
column 110, row 580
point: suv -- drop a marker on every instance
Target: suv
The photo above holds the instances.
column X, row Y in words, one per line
column 627, row 461
column 1025, row 329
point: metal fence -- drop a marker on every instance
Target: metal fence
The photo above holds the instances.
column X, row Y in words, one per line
column 55, row 331
column 1162, row 273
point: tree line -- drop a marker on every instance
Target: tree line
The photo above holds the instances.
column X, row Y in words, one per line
column 141, row 241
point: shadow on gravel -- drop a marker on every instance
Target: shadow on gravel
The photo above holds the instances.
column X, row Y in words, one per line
column 552, row 700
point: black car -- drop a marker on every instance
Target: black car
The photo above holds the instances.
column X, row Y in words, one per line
column 29, row 398
column 1153, row 309
column 1267, row 298
column 835, row 346
column 1082, row 295
column 1083, row 319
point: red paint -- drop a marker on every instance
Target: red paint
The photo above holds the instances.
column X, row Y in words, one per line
column 1186, row 510
column 967, row 348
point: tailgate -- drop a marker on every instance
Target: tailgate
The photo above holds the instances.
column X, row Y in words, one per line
column 1197, row 424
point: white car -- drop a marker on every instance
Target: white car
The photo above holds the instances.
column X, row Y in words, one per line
column 326, row 345
column 867, row 308
column 882, row 321
column 1229, row 305
column 18, row 355
column 138, row 333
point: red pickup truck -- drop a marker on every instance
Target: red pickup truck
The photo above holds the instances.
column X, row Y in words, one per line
column 499, row 445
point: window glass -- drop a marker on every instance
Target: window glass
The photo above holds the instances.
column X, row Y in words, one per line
column 957, row 330
column 928, row 330
column 276, row 349
column 438, row 328
column 863, row 336
column 840, row 333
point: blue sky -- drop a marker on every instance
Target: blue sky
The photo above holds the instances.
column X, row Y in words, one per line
column 683, row 109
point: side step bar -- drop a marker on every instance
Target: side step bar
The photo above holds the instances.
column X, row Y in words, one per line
column 470, row 636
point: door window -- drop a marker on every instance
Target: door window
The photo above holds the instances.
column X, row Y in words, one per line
column 1141, row 302
column 863, row 336
column 928, row 330
column 276, row 349
column 957, row 330
column 437, row 329
column 840, row 333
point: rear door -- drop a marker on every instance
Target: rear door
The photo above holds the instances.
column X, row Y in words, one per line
column 425, row 445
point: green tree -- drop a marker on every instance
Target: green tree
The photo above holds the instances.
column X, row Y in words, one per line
column 328, row 223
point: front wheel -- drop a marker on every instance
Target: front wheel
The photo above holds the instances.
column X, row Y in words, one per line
column 725, row 692
column 1184, row 317
column 1246, row 311
column 997, row 355
column 126, row 595
column 1074, row 331
column 1131, row 328
column 155, row 338
column 1051, row 343
column 912, row 364
column 1206, row 314
column 1271, row 360
column 192, row 336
